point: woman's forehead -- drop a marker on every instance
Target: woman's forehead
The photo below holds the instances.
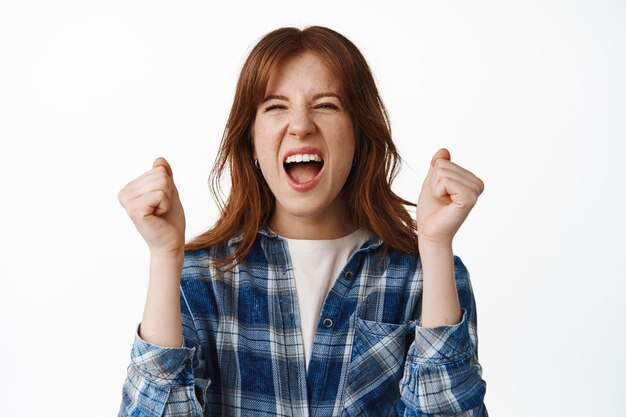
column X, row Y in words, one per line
column 306, row 72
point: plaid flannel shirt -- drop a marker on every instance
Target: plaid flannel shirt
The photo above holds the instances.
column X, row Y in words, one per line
column 243, row 355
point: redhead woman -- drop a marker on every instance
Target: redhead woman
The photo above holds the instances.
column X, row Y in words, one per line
column 312, row 295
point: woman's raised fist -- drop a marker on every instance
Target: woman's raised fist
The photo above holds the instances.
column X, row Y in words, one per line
column 151, row 200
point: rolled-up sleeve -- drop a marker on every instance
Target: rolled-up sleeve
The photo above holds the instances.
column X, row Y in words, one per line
column 442, row 375
column 165, row 381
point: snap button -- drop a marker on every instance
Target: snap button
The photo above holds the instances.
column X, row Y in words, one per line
column 327, row 322
column 349, row 274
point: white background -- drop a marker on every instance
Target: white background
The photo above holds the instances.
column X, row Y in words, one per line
column 528, row 95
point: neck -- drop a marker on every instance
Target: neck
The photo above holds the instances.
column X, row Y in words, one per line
column 332, row 224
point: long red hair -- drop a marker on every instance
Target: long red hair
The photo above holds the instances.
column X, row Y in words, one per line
column 250, row 204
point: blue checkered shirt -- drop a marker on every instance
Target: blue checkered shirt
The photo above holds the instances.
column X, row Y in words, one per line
column 243, row 354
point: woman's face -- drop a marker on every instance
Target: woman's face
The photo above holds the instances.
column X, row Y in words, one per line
column 304, row 141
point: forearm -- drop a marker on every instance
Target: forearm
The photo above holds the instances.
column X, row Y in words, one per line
column 440, row 300
column 161, row 323
column 442, row 376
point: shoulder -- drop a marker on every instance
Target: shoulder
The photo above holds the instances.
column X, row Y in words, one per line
column 201, row 263
column 412, row 264
column 197, row 257
column 198, row 262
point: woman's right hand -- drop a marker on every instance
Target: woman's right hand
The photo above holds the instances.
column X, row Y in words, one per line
column 153, row 204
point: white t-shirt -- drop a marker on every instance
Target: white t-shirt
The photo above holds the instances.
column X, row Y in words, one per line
column 316, row 265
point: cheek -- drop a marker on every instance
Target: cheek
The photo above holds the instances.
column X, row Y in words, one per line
column 261, row 132
column 346, row 151
column 259, row 141
column 349, row 143
column 265, row 148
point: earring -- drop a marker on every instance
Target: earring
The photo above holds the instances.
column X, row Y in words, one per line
column 256, row 164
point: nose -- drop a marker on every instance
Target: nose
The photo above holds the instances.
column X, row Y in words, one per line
column 301, row 124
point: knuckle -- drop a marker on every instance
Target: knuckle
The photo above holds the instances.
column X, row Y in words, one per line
column 164, row 198
column 446, row 174
column 125, row 198
column 163, row 183
column 440, row 163
column 162, row 194
column 133, row 212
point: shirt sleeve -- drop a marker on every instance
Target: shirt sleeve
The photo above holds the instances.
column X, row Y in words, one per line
column 166, row 381
column 442, row 375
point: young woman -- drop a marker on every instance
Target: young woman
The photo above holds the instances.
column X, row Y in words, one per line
column 312, row 294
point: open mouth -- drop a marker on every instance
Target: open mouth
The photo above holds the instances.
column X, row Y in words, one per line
column 302, row 168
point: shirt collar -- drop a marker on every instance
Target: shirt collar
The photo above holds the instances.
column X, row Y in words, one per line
column 372, row 243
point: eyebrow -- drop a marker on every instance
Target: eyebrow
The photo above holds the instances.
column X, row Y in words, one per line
column 315, row 97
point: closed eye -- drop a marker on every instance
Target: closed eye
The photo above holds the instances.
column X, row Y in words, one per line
column 275, row 106
column 326, row 106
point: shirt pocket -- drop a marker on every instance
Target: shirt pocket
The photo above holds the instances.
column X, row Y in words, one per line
column 376, row 366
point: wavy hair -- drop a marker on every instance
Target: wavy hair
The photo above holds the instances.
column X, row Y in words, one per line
column 250, row 204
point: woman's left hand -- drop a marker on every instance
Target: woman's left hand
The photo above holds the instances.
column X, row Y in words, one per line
column 448, row 195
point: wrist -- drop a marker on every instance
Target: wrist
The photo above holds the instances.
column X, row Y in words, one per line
column 429, row 245
column 166, row 267
column 169, row 256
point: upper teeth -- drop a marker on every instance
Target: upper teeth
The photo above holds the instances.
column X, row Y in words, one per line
column 303, row 157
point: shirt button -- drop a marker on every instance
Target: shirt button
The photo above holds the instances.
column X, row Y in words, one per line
column 327, row 322
column 349, row 275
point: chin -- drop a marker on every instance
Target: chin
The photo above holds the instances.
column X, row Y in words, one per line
column 305, row 206
column 305, row 209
